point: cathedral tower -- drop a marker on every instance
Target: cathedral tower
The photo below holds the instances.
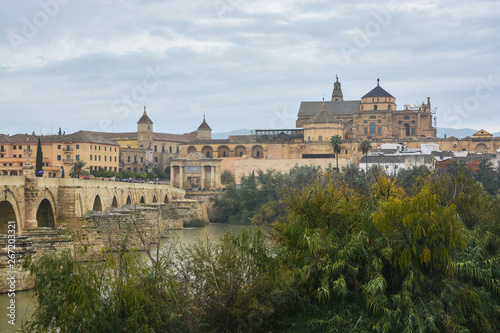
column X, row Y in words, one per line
column 337, row 91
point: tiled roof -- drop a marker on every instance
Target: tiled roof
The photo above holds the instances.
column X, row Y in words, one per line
column 309, row 109
column 323, row 116
column 378, row 91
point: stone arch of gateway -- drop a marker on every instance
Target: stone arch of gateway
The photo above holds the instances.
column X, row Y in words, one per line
column 46, row 211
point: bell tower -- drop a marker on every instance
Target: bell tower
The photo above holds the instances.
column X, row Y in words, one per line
column 337, row 91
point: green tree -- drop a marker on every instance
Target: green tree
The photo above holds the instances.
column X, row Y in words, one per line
column 39, row 159
column 365, row 146
column 336, row 143
column 227, row 177
column 78, row 168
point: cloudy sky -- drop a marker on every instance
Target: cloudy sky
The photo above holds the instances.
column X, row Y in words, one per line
column 245, row 64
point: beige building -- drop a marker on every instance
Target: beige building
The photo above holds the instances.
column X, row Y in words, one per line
column 375, row 116
column 59, row 151
column 196, row 170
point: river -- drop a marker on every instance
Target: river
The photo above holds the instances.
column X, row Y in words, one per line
column 25, row 300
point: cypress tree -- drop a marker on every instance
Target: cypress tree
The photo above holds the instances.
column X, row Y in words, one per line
column 39, row 159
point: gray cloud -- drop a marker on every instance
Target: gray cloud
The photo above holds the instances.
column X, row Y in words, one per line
column 92, row 65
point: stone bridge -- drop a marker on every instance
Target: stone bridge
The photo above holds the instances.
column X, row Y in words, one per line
column 51, row 202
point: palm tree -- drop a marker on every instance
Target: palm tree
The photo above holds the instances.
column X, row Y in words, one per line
column 365, row 147
column 336, row 143
column 78, row 169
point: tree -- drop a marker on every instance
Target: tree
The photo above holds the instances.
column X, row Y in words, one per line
column 365, row 147
column 336, row 143
column 78, row 169
column 60, row 132
column 39, row 159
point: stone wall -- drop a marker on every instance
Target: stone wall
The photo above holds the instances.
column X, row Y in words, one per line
column 204, row 197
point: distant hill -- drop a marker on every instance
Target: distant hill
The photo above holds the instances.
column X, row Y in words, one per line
column 458, row 132
column 225, row 135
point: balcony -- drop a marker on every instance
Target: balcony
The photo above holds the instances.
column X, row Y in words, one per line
column 67, row 150
column 68, row 161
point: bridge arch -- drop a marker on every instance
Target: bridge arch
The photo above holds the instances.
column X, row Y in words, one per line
column 46, row 209
column 129, row 200
column 45, row 215
column 97, row 206
column 143, row 200
column 9, row 211
column 155, row 200
column 166, row 199
column 114, row 202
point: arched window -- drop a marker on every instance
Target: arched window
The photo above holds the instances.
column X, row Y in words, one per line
column 375, row 107
column 372, row 128
column 407, row 126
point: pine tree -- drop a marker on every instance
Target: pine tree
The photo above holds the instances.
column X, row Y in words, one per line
column 39, row 159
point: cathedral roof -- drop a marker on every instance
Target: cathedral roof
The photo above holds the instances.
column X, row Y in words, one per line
column 308, row 109
column 204, row 125
column 378, row 91
column 145, row 119
column 322, row 116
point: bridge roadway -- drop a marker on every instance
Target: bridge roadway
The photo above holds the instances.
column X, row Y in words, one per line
column 43, row 202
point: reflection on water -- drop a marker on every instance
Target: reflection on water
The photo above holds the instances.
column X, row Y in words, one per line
column 25, row 304
column 25, row 300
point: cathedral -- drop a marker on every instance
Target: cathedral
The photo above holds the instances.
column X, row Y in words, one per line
column 375, row 116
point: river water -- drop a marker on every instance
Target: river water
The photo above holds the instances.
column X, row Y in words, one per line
column 25, row 300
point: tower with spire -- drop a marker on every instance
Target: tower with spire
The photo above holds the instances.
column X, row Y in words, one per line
column 144, row 130
column 337, row 91
column 204, row 131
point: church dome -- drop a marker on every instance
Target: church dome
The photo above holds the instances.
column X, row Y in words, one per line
column 378, row 91
column 145, row 119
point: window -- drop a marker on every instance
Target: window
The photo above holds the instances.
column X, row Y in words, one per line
column 105, row 148
column 99, row 147
column 162, row 149
column 366, row 121
column 111, row 159
column 407, row 127
column 20, row 147
column 379, row 130
column 14, row 156
column 77, row 146
column 105, row 158
column 95, row 157
column 68, row 158
column 95, row 147
column 135, row 159
column 58, row 157
column 406, row 117
column 375, row 107
column 2, row 148
column 15, row 147
column 413, row 131
column 91, row 157
column 366, row 130
column 372, row 128
column 320, row 138
column 177, row 149
column 413, row 122
column 170, row 149
column 156, row 159
column 400, row 122
column 155, row 150
column 77, row 157
column 115, row 158
column 90, row 168
column 379, row 121
column 99, row 157
column 128, row 159
column 68, row 147
column 105, row 168
column 115, row 149
column 90, row 147
column 389, row 108
column 58, row 146
column 372, row 117
column 141, row 159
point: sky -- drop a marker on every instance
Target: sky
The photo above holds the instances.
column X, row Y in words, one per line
column 93, row 65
